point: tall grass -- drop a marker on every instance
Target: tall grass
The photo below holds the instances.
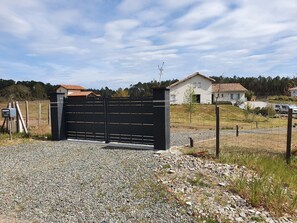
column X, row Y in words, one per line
column 274, row 185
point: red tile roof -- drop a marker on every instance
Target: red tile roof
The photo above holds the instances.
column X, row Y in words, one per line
column 71, row 87
column 189, row 77
column 227, row 87
column 83, row 94
column 293, row 88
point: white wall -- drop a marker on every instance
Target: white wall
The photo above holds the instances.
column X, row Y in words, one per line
column 200, row 86
column 226, row 96
column 293, row 93
column 61, row 90
column 65, row 91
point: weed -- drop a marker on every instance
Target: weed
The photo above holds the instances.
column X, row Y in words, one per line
column 274, row 185
column 166, row 166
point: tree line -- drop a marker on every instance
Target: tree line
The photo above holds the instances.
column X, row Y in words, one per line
column 262, row 86
column 36, row 90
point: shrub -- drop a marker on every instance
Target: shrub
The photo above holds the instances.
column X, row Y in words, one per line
column 267, row 111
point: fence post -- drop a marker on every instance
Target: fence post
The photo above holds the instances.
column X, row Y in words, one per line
column 58, row 116
column 161, row 118
column 289, row 137
column 237, row 131
column 217, row 132
column 27, row 114
column 105, row 101
column 39, row 114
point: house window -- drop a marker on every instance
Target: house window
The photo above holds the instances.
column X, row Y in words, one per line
column 194, row 84
column 222, row 95
column 172, row 97
column 231, row 96
column 199, row 85
column 238, row 96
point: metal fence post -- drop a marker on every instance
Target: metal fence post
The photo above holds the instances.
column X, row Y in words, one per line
column 161, row 118
column 58, row 116
column 105, row 101
column 217, row 132
column 289, row 137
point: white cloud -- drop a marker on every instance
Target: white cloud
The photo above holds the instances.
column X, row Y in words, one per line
column 126, row 43
column 202, row 12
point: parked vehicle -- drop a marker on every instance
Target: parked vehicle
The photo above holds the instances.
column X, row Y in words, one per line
column 277, row 107
column 284, row 108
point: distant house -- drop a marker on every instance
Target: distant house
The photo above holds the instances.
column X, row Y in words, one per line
column 83, row 94
column 201, row 84
column 232, row 92
column 205, row 91
column 293, row 91
column 69, row 89
column 74, row 91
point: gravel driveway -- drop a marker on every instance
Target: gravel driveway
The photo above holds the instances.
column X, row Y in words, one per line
column 83, row 182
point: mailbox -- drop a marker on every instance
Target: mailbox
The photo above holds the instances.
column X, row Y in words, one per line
column 8, row 113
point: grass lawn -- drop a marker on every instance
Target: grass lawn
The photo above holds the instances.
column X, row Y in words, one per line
column 230, row 116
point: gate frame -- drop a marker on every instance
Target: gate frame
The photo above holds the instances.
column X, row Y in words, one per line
column 161, row 108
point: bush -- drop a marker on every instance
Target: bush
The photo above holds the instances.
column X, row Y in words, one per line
column 224, row 103
column 267, row 111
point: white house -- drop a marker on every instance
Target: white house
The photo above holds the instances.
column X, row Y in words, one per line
column 232, row 92
column 69, row 89
column 202, row 86
column 205, row 92
column 293, row 91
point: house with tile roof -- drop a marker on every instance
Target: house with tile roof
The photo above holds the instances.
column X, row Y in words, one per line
column 201, row 85
column 206, row 91
column 293, row 91
column 74, row 91
column 233, row 92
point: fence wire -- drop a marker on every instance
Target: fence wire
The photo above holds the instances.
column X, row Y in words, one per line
column 255, row 133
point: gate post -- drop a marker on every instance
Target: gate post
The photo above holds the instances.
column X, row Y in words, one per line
column 58, row 116
column 161, row 118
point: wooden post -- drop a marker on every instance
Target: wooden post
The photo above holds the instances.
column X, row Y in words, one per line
column 18, row 118
column 10, row 127
column 49, row 114
column 39, row 114
column 27, row 114
column 256, row 124
column 22, row 125
column 289, row 137
column 237, row 132
column 217, row 132
column 191, row 142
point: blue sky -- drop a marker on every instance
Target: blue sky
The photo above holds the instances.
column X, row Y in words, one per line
column 97, row 43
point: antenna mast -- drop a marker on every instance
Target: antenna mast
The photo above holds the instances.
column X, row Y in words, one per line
column 160, row 72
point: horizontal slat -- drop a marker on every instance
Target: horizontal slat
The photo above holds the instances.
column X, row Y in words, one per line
column 131, row 118
column 130, row 109
column 85, row 108
column 85, row 117
column 72, row 100
column 131, row 129
column 85, row 127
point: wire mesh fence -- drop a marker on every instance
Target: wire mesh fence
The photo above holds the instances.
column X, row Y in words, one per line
column 239, row 131
column 36, row 115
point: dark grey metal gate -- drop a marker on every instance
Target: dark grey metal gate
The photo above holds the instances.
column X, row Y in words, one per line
column 124, row 120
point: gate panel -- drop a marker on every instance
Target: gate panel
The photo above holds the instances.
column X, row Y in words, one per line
column 85, row 118
column 125, row 120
